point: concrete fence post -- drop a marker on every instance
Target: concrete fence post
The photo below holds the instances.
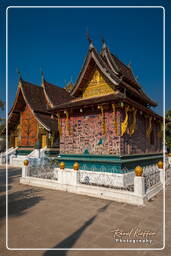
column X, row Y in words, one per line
column 25, row 168
column 11, row 159
column 162, row 173
column 139, row 184
column 68, row 176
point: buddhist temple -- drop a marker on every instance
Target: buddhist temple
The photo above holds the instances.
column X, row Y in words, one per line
column 104, row 122
column 108, row 122
column 30, row 122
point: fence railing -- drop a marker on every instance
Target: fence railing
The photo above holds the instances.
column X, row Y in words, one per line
column 133, row 188
column 42, row 168
column 151, row 176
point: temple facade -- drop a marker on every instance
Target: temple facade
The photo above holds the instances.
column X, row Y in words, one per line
column 30, row 123
column 109, row 113
column 104, row 121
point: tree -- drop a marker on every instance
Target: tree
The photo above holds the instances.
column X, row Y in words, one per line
column 168, row 129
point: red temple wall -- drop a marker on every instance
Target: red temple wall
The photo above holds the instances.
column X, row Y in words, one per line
column 28, row 126
column 86, row 134
column 139, row 143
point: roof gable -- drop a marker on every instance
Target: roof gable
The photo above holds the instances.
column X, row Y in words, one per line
column 97, row 86
column 54, row 94
column 115, row 72
column 93, row 60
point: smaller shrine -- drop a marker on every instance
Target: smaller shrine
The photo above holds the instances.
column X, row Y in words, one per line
column 30, row 125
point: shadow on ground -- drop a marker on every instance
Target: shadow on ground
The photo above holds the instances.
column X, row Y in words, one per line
column 15, row 173
column 18, row 201
column 71, row 240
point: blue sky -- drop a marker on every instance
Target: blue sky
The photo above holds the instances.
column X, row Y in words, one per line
column 54, row 40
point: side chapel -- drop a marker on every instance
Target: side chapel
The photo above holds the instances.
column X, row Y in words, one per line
column 29, row 119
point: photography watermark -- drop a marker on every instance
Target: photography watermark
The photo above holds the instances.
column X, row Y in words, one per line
column 134, row 235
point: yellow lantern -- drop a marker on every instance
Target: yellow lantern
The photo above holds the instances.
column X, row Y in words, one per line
column 169, row 154
column 138, row 170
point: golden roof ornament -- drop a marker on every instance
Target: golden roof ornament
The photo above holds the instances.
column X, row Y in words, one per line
column 62, row 165
column 76, row 166
column 26, row 162
column 160, row 165
column 138, row 170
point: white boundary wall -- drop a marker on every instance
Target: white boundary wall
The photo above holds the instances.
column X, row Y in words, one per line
column 88, row 190
column 69, row 180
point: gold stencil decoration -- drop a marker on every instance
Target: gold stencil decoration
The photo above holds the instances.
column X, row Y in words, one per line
column 149, row 128
column 67, row 121
column 133, row 125
column 103, row 119
column 97, row 86
column 115, row 119
column 125, row 122
column 160, row 130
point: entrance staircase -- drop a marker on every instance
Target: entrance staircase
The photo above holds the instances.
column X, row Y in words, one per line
column 7, row 154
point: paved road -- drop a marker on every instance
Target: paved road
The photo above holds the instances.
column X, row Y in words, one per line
column 42, row 218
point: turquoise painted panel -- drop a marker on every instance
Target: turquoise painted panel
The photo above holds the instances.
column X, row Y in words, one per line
column 109, row 163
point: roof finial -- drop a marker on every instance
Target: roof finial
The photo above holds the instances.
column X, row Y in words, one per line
column 42, row 76
column 103, row 43
column 129, row 64
column 19, row 74
column 89, row 39
column 137, row 78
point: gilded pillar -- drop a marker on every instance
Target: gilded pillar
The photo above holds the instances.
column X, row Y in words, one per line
column 59, row 124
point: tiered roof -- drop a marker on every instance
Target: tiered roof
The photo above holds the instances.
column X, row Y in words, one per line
column 39, row 99
column 118, row 75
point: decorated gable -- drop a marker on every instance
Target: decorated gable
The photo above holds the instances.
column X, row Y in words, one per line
column 97, row 86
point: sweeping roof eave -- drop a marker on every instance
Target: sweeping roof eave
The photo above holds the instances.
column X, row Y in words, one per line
column 106, row 99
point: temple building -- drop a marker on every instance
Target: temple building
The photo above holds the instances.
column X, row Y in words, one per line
column 30, row 122
column 109, row 116
column 105, row 121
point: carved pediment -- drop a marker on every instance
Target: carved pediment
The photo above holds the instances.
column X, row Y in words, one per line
column 97, row 86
